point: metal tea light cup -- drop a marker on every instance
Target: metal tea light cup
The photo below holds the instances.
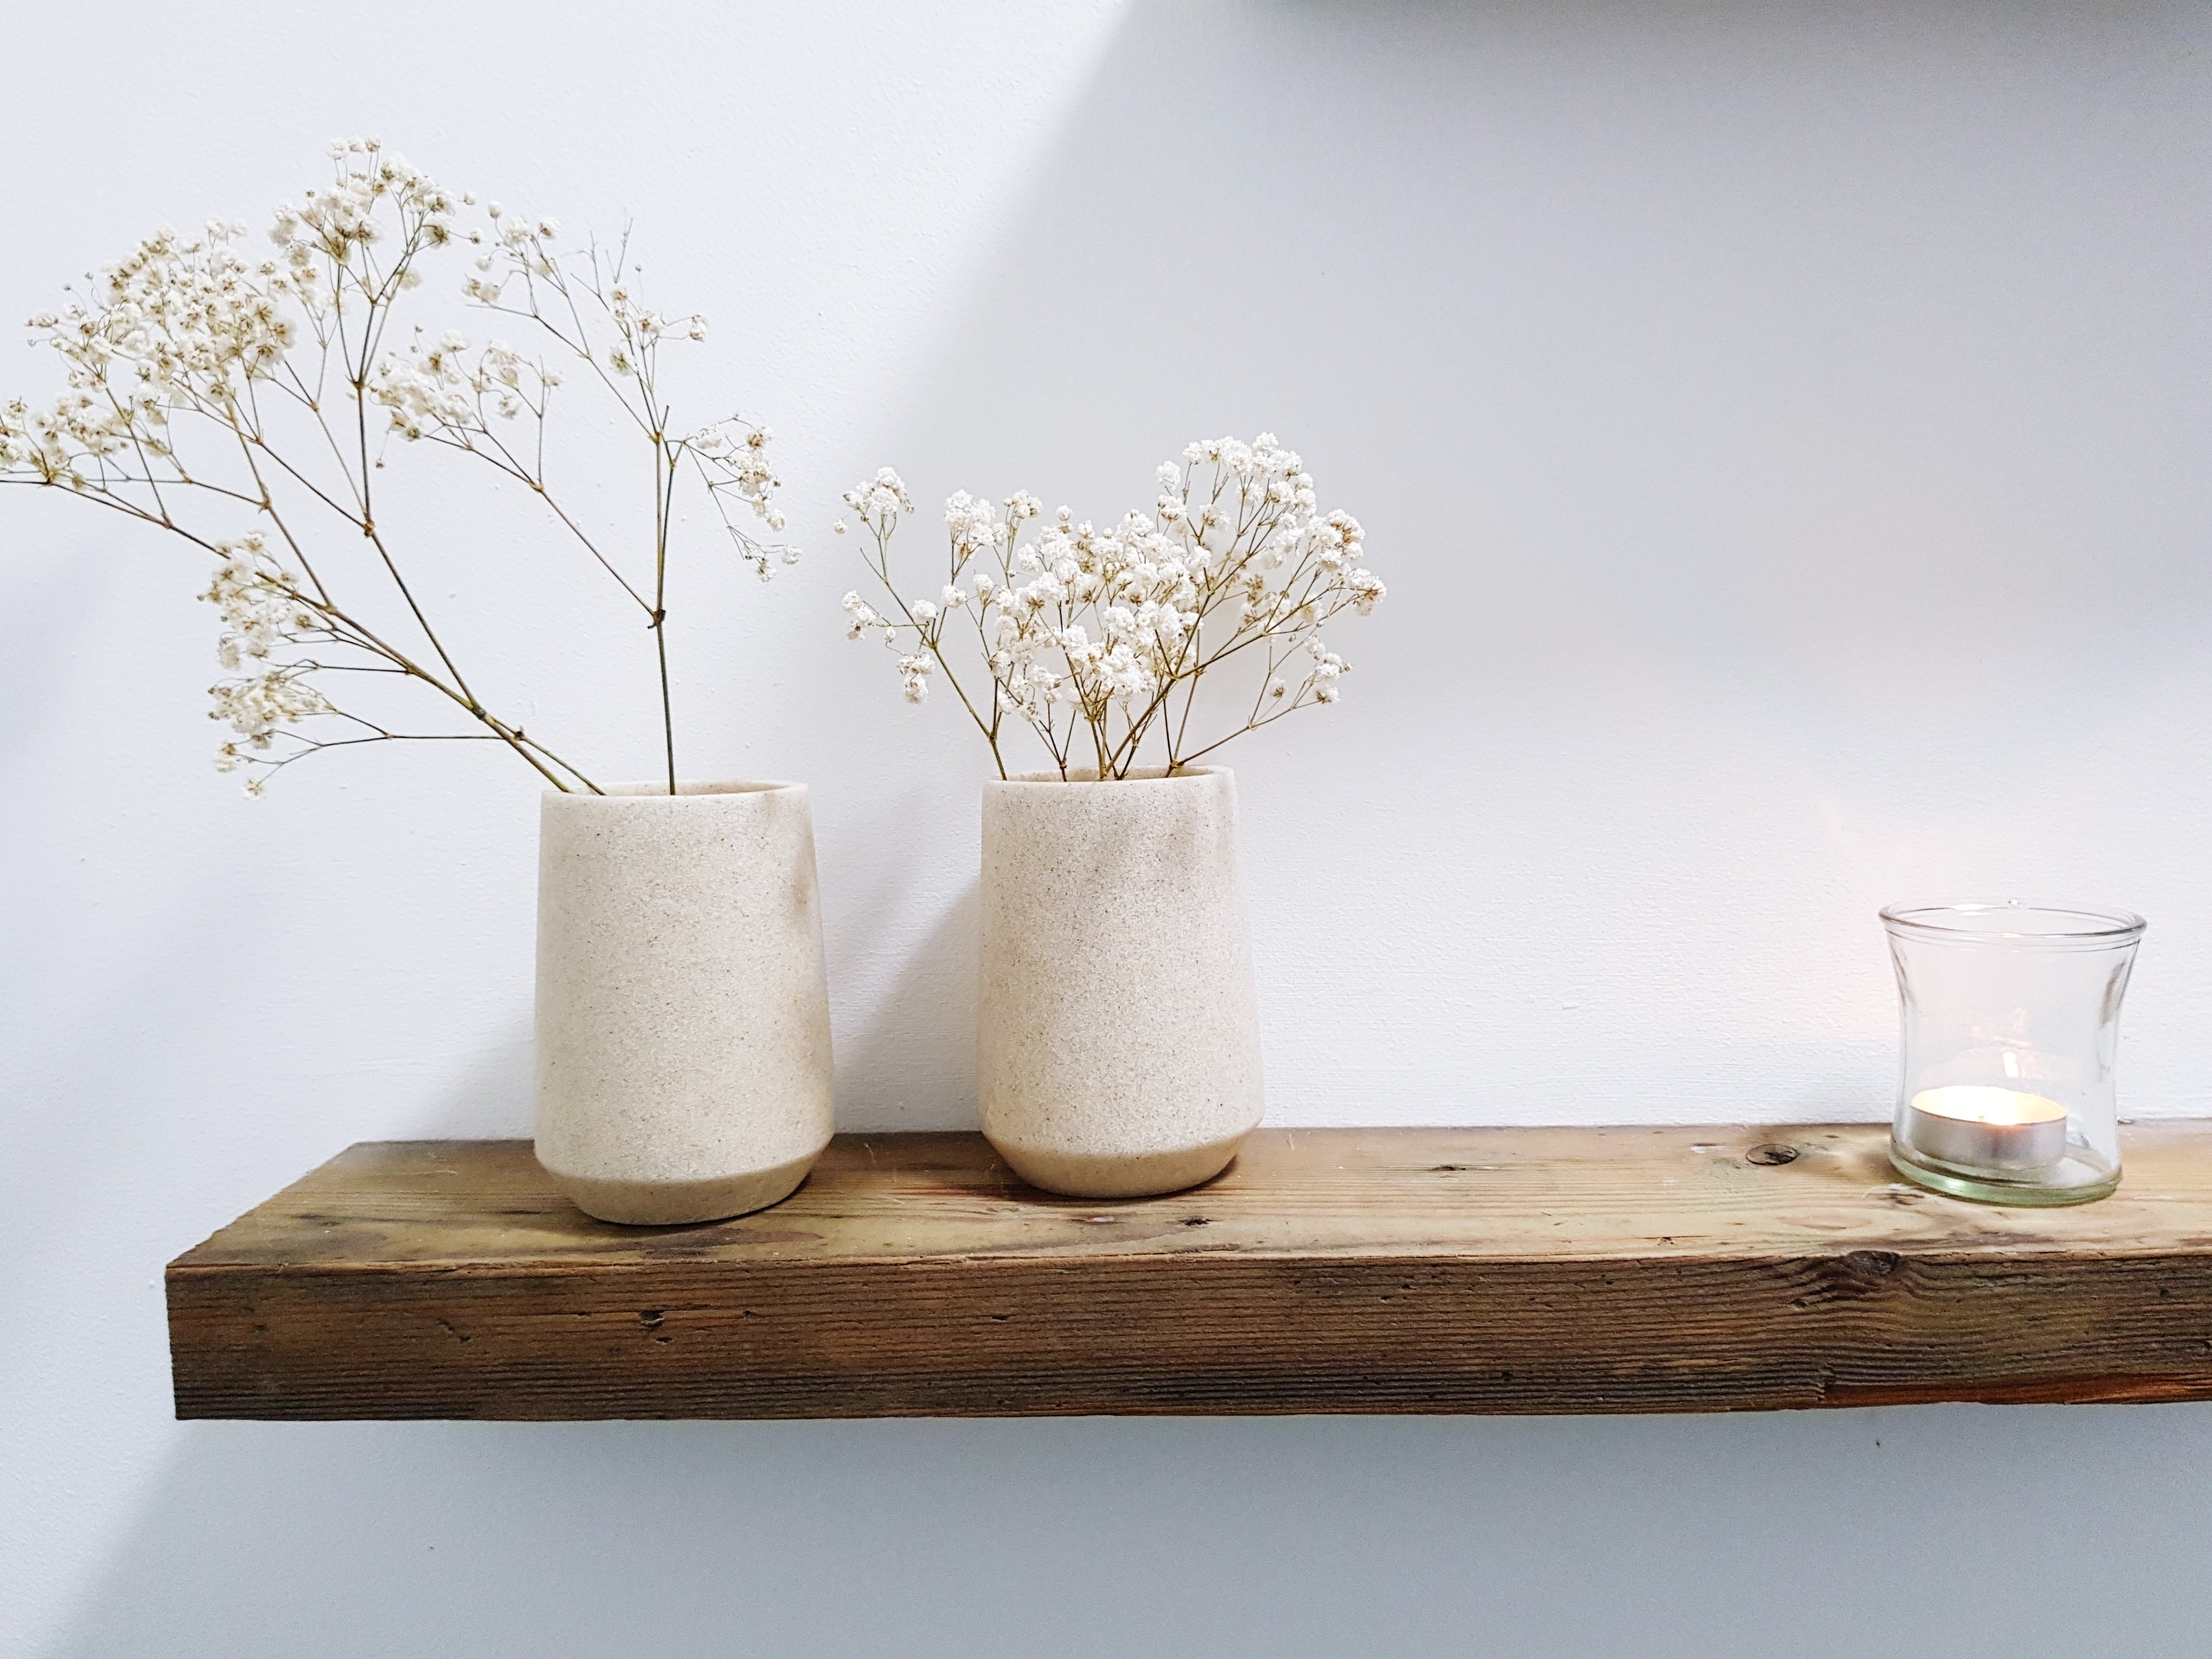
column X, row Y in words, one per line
column 2010, row 1027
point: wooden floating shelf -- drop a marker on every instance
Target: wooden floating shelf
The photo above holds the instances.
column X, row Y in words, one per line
column 1330, row 1270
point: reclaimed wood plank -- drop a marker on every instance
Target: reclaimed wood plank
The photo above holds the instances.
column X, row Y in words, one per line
column 1336, row 1270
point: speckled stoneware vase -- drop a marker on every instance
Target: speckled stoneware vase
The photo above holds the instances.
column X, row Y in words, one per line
column 683, row 1014
column 1118, row 1053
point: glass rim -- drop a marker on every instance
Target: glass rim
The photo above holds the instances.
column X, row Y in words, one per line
column 2091, row 925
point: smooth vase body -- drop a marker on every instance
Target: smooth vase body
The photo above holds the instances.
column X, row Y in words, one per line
column 684, row 1067
column 1118, row 1051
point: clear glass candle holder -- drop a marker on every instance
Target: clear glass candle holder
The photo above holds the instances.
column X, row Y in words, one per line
column 2011, row 1024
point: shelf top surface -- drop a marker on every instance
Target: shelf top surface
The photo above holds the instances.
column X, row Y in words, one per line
column 1729, row 1192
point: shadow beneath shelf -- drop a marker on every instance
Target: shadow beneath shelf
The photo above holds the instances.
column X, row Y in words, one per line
column 1294, row 1536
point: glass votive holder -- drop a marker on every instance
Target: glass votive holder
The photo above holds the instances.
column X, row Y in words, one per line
column 2010, row 1026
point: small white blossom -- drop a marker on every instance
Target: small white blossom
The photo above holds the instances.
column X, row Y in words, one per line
column 878, row 502
column 262, row 610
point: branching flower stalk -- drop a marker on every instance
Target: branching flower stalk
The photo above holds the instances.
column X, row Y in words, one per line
column 247, row 406
column 1098, row 640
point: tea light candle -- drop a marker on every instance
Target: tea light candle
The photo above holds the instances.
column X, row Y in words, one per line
column 1982, row 1127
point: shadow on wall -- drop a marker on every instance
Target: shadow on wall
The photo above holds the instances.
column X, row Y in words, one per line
column 1733, row 395
column 1842, row 1534
column 916, row 1045
column 899, row 927
column 1704, row 328
column 494, row 1098
column 911, row 1063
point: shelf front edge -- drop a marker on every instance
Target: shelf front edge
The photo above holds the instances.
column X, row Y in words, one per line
column 1382, row 1271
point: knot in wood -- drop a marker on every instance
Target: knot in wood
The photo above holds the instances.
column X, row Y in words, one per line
column 1771, row 1153
column 1851, row 1277
column 1871, row 1264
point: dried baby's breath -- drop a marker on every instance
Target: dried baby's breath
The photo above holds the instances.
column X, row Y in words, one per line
column 1097, row 639
column 247, row 405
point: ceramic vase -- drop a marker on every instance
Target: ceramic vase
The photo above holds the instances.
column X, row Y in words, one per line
column 1118, row 1050
column 683, row 1069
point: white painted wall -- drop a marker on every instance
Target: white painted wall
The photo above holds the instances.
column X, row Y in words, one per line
column 1783, row 429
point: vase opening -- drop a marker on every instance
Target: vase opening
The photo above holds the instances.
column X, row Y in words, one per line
column 683, row 787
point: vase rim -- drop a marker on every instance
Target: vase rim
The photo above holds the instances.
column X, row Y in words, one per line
column 1078, row 778
column 2013, row 921
column 687, row 789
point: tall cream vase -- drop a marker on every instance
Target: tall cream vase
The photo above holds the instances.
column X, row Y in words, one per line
column 1118, row 1051
column 683, row 1069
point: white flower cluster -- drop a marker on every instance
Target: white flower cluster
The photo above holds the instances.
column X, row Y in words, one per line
column 441, row 387
column 342, row 221
column 1086, row 631
column 63, row 443
column 731, row 456
column 180, row 323
column 188, row 322
column 876, row 502
column 281, row 364
column 183, row 312
column 262, row 609
column 522, row 242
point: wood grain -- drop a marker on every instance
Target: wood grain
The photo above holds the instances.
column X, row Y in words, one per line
column 1331, row 1270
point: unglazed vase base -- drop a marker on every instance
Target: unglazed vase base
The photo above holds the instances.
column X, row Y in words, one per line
column 1102, row 1174
column 666, row 1203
